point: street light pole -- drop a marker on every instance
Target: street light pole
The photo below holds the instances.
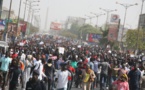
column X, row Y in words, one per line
column 141, row 13
column 142, row 6
column 97, row 16
column 108, row 11
column 26, row 7
column 25, row 10
column 29, row 13
column 89, row 18
column 126, row 6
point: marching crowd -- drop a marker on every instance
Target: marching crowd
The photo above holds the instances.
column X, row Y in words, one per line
column 48, row 63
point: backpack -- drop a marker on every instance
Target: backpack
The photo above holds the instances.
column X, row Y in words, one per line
column 33, row 67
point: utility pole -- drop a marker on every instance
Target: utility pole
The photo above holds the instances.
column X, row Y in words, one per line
column 46, row 20
column 29, row 14
column 90, row 19
column 6, row 36
column 19, row 15
column 142, row 6
column 25, row 10
column 1, row 5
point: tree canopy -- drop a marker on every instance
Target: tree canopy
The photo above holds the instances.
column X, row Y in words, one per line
column 131, row 39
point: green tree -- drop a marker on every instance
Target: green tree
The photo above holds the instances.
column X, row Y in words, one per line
column 74, row 29
column 131, row 39
column 104, row 40
column 68, row 34
column 86, row 29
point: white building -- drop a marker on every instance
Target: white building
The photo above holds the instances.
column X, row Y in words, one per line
column 5, row 13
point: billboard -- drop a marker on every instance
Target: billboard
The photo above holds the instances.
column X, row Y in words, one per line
column 114, row 18
column 94, row 37
column 55, row 26
column 113, row 32
column 2, row 24
column 23, row 26
column 142, row 20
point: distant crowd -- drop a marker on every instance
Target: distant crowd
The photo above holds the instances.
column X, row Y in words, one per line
column 45, row 62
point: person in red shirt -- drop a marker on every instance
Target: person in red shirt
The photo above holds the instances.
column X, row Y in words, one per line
column 70, row 79
column 14, row 55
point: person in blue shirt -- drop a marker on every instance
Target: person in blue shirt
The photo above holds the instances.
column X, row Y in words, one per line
column 5, row 63
column 134, row 78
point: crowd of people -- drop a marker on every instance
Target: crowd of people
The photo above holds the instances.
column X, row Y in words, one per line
column 42, row 62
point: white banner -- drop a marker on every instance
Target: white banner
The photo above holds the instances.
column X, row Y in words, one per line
column 61, row 50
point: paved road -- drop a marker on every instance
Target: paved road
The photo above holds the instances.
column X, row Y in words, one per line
column 71, row 89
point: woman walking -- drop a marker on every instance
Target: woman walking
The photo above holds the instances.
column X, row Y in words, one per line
column 88, row 77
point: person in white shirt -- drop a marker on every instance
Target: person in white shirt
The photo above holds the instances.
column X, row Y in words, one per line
column 39, row 66
column 62, row 77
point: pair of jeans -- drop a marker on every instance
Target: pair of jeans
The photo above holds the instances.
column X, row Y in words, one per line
column 12, row 86
column 94, row 84
column 69, row 85
column 4, row 73
column 134, row 87
column 78, row 81
column 62, row 89
column 97, row 80
column 103, row 81
column 113, row 78
column 50, row 84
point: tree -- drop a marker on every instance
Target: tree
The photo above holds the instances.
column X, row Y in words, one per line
column 67, row 34
column 104, row 40
column 86, row 29
column 131, row 39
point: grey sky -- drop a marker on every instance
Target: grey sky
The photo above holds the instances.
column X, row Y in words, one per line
column 59, row 10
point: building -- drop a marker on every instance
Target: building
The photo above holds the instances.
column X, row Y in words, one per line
column 5, row 13
column 142, row 21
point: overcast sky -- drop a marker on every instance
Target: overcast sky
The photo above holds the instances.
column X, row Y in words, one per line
column 59, row 10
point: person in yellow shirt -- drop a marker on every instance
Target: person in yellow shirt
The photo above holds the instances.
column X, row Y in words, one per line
column 88, row 77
